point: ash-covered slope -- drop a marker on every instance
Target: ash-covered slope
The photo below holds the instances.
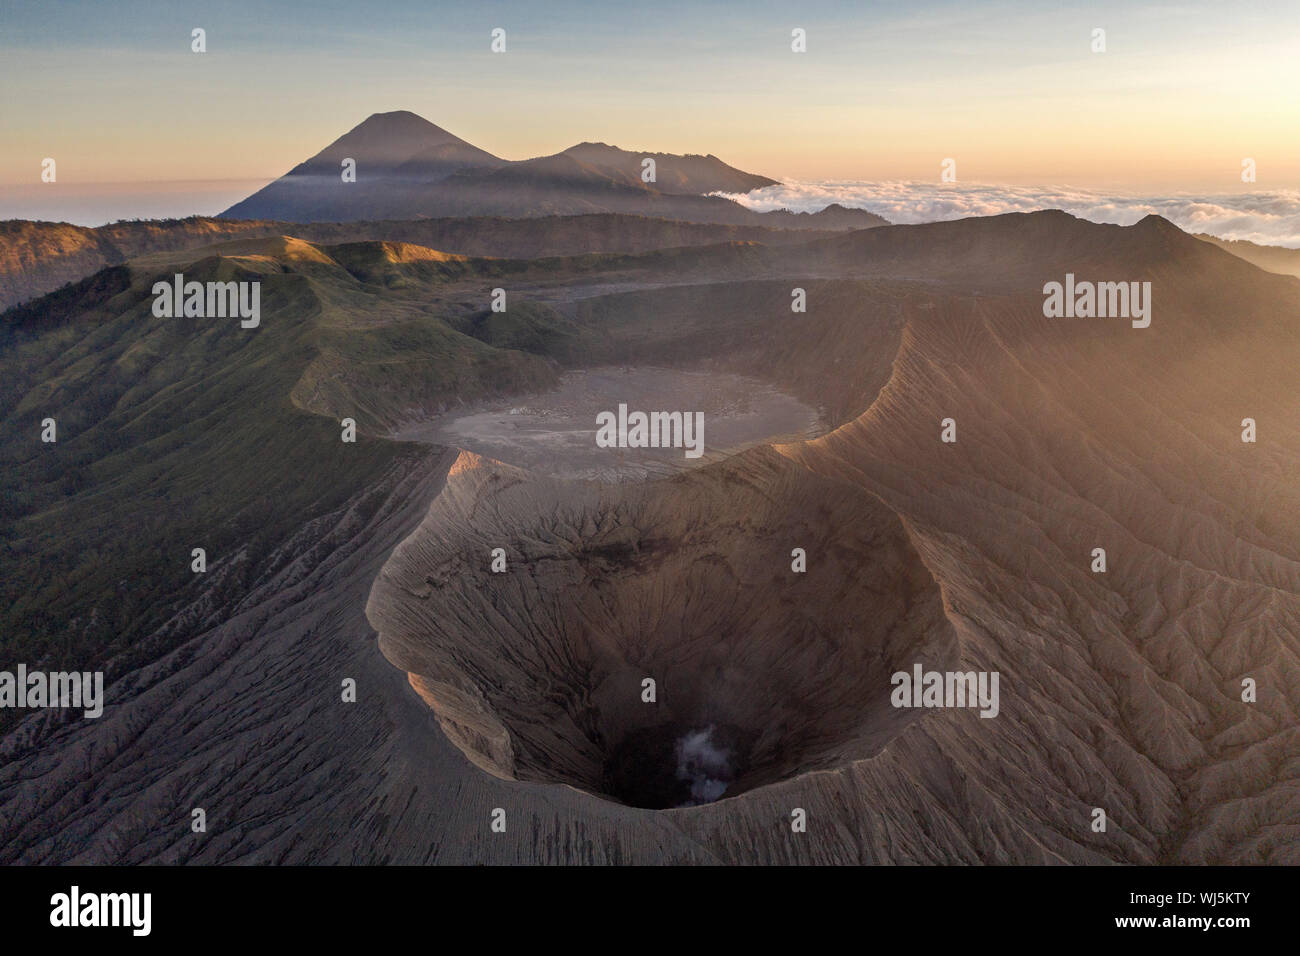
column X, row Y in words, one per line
column 1122, row 689
column 1119, row 690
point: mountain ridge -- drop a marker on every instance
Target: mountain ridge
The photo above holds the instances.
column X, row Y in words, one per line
column 408, row 167
column 38, row 257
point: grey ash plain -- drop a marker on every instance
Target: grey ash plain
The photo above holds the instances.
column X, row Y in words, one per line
column 554, row 432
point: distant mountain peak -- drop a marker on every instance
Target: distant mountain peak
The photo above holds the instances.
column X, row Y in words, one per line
column 1156, row 223
column 408, row 167
column 405, row 114
column 395, row 116
column 394, row 136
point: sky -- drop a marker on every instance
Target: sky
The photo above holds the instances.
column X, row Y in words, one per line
column 1012, row 92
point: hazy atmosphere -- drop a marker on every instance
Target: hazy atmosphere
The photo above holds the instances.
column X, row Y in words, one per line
column 1012, row 91
column 664, row 434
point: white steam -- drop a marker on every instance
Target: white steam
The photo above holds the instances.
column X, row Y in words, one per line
column 704, row 764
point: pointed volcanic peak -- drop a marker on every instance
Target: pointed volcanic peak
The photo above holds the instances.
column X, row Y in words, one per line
column 389, row 142
column 689, row 175
column 837, row 216
column 398, row 155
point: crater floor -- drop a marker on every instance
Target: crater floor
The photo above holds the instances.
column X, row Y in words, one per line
column 554, row 433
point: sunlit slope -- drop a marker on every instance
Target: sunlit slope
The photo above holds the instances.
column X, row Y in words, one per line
column 1123, row 689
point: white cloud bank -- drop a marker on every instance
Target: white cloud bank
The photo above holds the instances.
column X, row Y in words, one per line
column 1268, row 218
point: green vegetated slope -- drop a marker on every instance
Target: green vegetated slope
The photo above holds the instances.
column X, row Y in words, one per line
column 179, row 433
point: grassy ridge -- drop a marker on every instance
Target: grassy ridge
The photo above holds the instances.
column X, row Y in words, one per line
column 186, row 432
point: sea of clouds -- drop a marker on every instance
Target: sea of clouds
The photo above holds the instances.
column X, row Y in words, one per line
column 1268, row 218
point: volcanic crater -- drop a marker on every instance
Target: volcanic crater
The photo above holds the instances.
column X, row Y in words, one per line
column 651, row 643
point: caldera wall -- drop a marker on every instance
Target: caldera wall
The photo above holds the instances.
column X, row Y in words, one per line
column 537, row 672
